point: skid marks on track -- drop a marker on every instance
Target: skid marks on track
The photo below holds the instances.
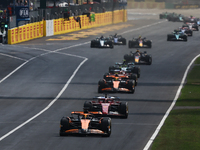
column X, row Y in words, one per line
column 85, row 34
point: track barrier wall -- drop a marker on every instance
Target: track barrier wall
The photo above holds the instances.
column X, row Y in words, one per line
column 145, row 5
column 151, row 4
column 60, row 26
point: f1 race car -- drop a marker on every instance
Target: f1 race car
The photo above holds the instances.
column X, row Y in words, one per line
column 138, row 57
column 177, row 36
column 192, row 26
column 109, row 106
column 140, row 42
column 175, row 17
column 121, row 74
column 192, row 19
column 186, row 30
column 116, row 83
column 118, row 39
column 85, row 124
column 102, row 42
column 126, row 68
column 164, row 15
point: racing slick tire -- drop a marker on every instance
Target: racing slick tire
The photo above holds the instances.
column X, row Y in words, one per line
column 87, row 106
column 104, row 76
column 149, row 44
column 64, row 123
column 130, row 44
column 185, row 38
column 100, row 86
column 92, row 44
column 123, row 41
column 137, row 71
column 131, row 86
column 133, row 77
column 124, row 109
column 126, row 57
column 149, row 60
column 111, row 68
column 160, row 16
column 191, row 33
column 106, row 126
column 111, row 45
column 168, row 37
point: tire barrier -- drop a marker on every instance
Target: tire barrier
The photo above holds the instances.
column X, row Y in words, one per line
column 60, row 26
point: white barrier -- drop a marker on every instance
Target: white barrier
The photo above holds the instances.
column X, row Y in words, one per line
column 49, row 28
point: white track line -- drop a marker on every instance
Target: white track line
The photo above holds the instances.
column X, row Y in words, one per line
column 143, row 27
column 171, row 107
column 50, row 104
column 59, row 94
column 66, row 85
column 12, row 57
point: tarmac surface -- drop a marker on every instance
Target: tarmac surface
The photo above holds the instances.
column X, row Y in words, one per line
column 47, row 78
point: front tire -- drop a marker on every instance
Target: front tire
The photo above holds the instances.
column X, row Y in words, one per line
column 106, row 126
column 64, row 122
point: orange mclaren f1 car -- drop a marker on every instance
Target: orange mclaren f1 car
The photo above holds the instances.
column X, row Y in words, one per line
column 85, row 124
column 117, row 83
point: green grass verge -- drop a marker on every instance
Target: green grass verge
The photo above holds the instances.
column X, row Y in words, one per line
column 190, row 94
column 181, row 130
column 197, row 61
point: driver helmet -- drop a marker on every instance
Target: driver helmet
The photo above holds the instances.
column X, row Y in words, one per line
column 137, row 51
column 176, row 30
column 124, row 61
column 116, row 79
column 84, row 116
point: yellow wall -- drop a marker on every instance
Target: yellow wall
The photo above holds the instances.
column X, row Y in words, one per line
column 38, row 29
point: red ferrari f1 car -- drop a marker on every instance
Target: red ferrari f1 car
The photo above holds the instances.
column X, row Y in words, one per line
column 109, row 106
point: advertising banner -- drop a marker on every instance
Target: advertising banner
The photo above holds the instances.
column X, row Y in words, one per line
column 184, row 6
column 24, row 33
column 22, row 13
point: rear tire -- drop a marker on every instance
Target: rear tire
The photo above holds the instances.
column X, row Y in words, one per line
column 133, row 77
column 131, row 87
column 92, row 44
column 129, row 44
column 124, row 42
column 124, row 109
column 149, row 61
column 87, row 106
column 100, row 86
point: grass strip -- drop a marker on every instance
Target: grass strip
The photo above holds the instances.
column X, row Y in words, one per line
column 181, row 130
column 190, row 93
column 197, row 61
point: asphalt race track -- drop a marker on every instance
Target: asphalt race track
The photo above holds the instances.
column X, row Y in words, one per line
column 63, row 74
